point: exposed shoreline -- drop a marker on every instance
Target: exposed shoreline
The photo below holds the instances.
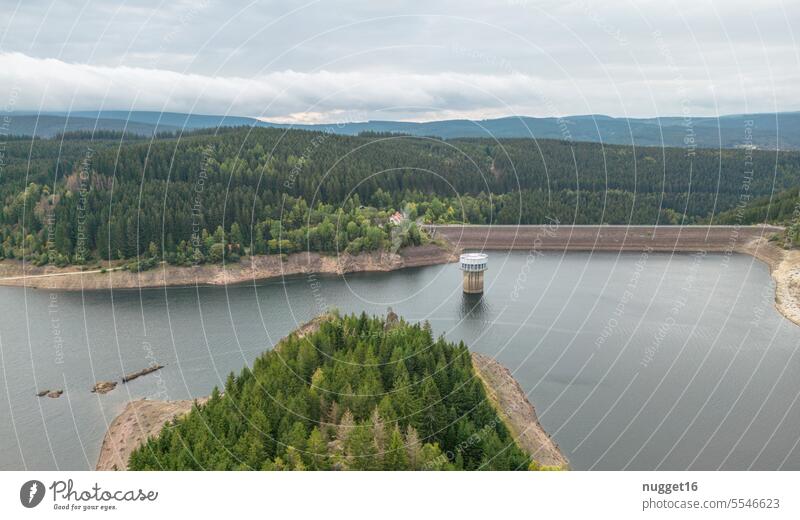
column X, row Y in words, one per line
column 455, row 238
column 144, row 418
column 784, row 266
column 751, row 240
column 250, row 269
column 138, row 421
column 517, row 413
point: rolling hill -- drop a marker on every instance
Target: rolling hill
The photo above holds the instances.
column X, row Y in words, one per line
column 764, row 131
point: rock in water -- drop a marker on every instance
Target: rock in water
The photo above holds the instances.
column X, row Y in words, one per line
column 103, row 387
column 143, row 372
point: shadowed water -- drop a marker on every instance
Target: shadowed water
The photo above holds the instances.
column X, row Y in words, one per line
column 638, row 362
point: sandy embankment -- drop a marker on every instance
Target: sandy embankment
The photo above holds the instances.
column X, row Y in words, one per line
column 138, row 421
column 517, row 413
column 785, row 269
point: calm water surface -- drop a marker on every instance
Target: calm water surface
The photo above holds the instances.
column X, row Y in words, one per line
column 633, row 362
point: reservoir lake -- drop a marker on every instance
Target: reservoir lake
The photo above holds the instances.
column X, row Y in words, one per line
column 633, row 361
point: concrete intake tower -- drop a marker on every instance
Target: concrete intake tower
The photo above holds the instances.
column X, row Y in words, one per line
column 473, row 265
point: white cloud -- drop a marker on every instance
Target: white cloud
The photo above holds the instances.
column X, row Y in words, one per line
column 329, row 96
column 286, row 95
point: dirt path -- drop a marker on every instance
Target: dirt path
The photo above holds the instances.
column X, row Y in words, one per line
column 48, row 275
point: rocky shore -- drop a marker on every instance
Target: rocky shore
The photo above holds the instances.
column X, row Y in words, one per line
column 13, row 273
column 450, row 241
column 139, row 420
column 784, row 266
column 517, row 413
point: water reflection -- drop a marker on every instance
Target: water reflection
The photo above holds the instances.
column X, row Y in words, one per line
column 474, row 306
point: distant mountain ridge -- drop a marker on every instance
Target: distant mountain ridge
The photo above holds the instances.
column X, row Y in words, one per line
column 765, row 131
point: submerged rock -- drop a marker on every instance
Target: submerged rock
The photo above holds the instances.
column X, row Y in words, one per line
column 103, row 387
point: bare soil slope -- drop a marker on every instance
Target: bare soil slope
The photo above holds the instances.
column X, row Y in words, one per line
column 517, row 413
column 785, row 269
column 138, row 421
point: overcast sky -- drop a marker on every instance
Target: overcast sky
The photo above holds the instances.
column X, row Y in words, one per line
column 329, row 61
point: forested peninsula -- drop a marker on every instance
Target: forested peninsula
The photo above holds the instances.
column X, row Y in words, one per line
column 352, row 392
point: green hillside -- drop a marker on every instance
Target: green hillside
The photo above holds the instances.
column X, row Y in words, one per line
column 783, row 209
column 215, row 195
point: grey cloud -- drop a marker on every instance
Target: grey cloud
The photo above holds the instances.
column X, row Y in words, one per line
column 428, row 59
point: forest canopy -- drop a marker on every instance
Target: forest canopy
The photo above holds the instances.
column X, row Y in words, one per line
column 214, row 196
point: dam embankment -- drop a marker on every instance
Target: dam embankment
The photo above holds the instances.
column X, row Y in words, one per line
column 603, row 238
